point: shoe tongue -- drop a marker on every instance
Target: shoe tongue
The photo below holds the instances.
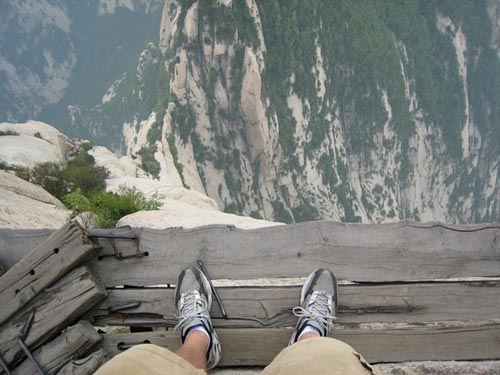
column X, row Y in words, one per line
column 319, row 303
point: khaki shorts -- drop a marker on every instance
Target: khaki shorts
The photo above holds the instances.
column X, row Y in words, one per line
column 316, row 355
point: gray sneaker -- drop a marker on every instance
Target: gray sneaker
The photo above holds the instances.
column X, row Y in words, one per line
column 193, row 299
column 318, row 304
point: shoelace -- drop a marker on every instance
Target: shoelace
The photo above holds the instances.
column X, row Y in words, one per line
column 193, row 307
column 318, row 310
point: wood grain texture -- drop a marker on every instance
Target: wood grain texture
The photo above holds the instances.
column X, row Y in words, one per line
column 57, row 307
column 73, row 342
column 43, row 266
column 374, row 252
column 271, row 307
column 398, row 343
column 85, row 366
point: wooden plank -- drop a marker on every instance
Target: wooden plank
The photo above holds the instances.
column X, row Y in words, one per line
column 261, row 307
column 73, row 342
column 85, row 366
column 374, row 252
column 43, row 266
column 16, row 243
column 383, row 343
column 59, row 305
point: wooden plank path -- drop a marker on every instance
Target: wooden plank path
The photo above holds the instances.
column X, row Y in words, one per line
column 477, row 340
column 271, row 306
column 409, row 301
column 373, row 253
column 395, row 312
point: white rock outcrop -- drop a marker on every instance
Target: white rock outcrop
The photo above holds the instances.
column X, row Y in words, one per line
column 179, row 214
column 125, row 171
column 35, row 142
column 25, row 205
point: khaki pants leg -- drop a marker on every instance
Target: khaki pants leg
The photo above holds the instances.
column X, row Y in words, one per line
column 148, row 359
column 318, row 356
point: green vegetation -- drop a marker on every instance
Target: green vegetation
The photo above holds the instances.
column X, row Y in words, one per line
column 237, row 75
column 225, row 21
column 305, row 212
column 184, row 120
column 110, row 207
column 81, row 187
column 154, row 133
column 360, row 59
column 281, row 214
column 80, row 173
column 256, row 215
column 148, row 161
column 175, row 156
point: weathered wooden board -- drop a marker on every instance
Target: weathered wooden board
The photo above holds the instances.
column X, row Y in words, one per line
column 60, row 305
column 375, row 252
column 85, row 366
column 271, row 307
column 387, row 343
column 44, row 265
column 16, row 243
column 73, row 342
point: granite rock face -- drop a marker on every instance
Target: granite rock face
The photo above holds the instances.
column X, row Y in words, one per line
column 24, row 205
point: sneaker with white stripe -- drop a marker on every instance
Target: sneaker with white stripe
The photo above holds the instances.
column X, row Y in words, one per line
column 318, row 304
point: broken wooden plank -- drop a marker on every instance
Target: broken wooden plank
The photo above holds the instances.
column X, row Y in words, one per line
column 85, row 366
column 261, row 307
column 378, row 343
column 59, row 305
column 43, row 266
column 374, row 252
column 73, row 342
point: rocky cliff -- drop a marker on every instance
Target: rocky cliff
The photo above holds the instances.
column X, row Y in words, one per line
column 292, row 110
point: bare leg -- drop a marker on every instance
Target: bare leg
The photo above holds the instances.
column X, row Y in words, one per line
column 194, row 349
column 308, row 335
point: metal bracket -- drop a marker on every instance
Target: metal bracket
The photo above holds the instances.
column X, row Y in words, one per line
column 4, row 366
column 24, row 347
column 214, row 291
column 127, row 345
column 131, row 305
column 118, row 255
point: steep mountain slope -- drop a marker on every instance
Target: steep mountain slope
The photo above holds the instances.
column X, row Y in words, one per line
column 55, row 53
column 293, row 110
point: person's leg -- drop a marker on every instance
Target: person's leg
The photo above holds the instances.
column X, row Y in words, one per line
column 194, row 349
column 200, row 349
column 193, row 298
column 148, row 359
column 309, row 350
column 319, row 356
